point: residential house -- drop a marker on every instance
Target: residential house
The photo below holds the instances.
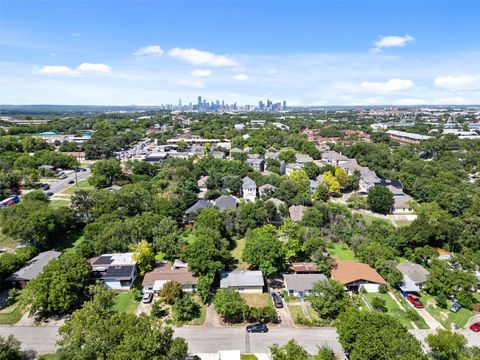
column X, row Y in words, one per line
column 193, row 210
column 202, row 186
column 313, row 185
column 266, row 190
column 32, row 268
column 296, row 212
column 414, row 277
column 226, row 202
column 293, row 167
column 117, row 271
column 278, row 203
column 235, row 151
column 368, row 180
column 256, row 163
column 334, row 158
column 244, row 281
column 355, row 276
column 217, row 154
column 443, row 254
column 156, row 158
column 272, row 154
column 301, row 285
column 402, row 204
column 166, row 272
column 302, row 158
column 249, row 189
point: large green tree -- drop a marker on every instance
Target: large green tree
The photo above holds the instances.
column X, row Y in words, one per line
column 328, row 298
column 380, row 199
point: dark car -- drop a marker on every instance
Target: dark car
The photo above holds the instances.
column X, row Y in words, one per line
column 257, row 328
column 63, row 177
column 277, row 301
column 49, row 193
column 71, row 181
column 415, row 301
column 455, row 307
column 46, row 187
column 475, row 327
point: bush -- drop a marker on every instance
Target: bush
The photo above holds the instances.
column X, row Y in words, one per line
column 412, row 315
column 442, row 301
column 325, row 353
column 13, row 296
column 264, row 314
column 230, row 305
column 383, row 289
column 185, row 309
column 466, row 299
column 157, row 310
column 379, row 304
column 171, row 292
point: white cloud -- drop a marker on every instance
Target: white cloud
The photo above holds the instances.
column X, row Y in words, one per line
column 199, row 57
column 392, row 85
column 53, row 54
column 454, row 83
column 201, row 73
column 191, row 83
column 410, row 101
column 84, row 68
column 391, row 41
column 154, row 50
column 240, row 77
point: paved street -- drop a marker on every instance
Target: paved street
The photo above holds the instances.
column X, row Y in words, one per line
column 38, row 338
column 58, row 186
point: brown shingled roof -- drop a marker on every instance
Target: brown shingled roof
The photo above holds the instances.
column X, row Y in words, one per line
column 304, row 267
column 347, row 271
column 165, row 271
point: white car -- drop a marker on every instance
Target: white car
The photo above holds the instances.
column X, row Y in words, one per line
column 147, row 298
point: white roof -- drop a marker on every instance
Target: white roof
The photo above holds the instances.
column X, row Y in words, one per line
column 241, row 278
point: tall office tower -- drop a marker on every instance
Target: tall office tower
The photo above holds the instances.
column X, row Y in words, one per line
column 284, row 105
column 179, row 102
column 199, row 101
column 260, row 105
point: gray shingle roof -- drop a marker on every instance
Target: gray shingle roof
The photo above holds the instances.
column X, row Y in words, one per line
column 34, row 267
column 225, row 202
column 302, row 282
column 248, row 183
column 199, row 205
column 417, row 273
column 241, row 278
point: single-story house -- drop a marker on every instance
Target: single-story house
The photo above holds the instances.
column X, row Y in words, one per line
column 226, row 202
column 302, row 158
column 117, row 271
column 32, row 268
column 296, row 212
column 414, row 277
column 443, row 254
column 164, row 272
column 355, row 276
column 301, row 285
column 244, row 281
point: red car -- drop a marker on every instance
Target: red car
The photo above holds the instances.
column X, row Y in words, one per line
column 415, row 301
column 475, row 327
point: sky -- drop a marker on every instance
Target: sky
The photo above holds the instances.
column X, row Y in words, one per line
column 305, row 52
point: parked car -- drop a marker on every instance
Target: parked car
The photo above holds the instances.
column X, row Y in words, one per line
column 455, row 307
column 147, row 298
column 257, row 328
column 63, row 177
column 277, row 301
column 46, row 187
column 415, row 301
column 71, row 181
column 475, row 327
column 49, row 193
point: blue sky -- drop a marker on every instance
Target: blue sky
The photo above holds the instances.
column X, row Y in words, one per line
column 310, row 53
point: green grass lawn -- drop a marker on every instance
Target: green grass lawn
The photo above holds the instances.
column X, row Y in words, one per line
column 445, row 316
column 258, row 300
column 6, row 242
column 248, row 357
column 296, row 312
column 49, row 357
column 342, row 251
column 421, row 324
column 369, row 219
column 125, row 302
column 392, row 308
column 237, row 253
column 11, row 314
column 59, row 203
column 82, row 184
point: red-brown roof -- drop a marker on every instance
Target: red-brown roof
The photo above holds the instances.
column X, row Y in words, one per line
column 165, row 271
column 347, row 271
column 304, row 267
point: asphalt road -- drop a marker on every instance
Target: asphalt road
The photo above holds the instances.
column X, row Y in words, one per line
column 58, row 186
column 42, row 339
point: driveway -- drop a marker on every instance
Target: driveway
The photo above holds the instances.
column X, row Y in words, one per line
column 285, row 316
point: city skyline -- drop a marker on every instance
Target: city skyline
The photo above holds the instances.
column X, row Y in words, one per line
column 310, row 53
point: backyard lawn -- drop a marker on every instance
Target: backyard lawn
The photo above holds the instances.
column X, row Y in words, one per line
column 237, row 253
column 445, row 316
column 59, row 202
column 6, row 242
column 248, row 357
column 258, row 300
column 342, row 251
